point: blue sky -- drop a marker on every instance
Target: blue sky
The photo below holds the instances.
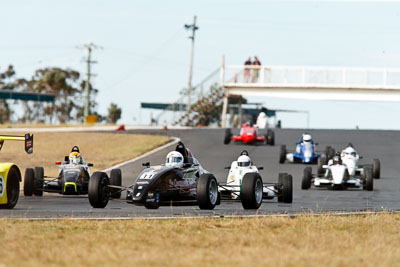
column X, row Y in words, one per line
column 146, row 49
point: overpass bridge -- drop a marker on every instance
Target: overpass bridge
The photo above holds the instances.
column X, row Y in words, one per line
column 309, row 82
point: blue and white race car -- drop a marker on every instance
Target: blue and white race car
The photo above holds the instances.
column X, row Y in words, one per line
column 305, row 152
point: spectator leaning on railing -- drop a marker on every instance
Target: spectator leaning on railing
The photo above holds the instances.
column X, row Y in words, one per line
column 246, row 73
column 254, row 77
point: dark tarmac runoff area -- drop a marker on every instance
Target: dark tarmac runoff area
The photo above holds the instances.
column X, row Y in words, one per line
column 207, row 146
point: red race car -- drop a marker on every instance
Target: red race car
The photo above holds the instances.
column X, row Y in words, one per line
column 248, row 135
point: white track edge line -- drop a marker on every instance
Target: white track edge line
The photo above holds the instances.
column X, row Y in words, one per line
column 175, row 140
column 294, row 215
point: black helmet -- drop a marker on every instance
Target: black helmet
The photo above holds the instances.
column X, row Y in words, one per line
column 75, row 149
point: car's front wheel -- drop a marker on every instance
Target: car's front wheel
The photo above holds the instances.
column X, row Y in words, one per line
column 207, row 191
column 38, row 181
column 368, row 180
column 251, row 193
column 29, row 179
column 376, row 169
column 307, row 176
column 99, row 192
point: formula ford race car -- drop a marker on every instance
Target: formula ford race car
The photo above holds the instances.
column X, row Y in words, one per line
column 10, row 175
column 249, row 135
column 338, row 176
column 245, row 183
column 350, row 158
column 305, row 152
column 180, row 181
column 72, row 179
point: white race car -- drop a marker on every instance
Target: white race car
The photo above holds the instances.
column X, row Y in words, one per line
column 350, row 158
column 244, row 182
column 338, row 176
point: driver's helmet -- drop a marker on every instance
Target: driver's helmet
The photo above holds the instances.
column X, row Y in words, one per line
column 307, row 138
column 243, row 161
column 350, row 151
column 74, row 157
column 174, row 159
column 337, row 160
column 249, row 123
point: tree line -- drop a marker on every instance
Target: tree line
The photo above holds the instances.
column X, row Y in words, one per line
column 65, row 84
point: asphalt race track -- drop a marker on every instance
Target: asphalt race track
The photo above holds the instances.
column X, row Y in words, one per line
column 207, row 146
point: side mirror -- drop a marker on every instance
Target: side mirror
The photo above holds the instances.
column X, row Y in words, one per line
column 316, row 144
column 196, row 165
column 187, row 165
column 360, row 157
column 146, row 164
column 227, row 168
column 58, row 162
column 90, row 164
column 260, row 168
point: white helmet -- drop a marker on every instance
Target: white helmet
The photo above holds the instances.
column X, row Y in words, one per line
column 174, row 159
column 75, row 157
column 307, row 138
column 244, row 161
column 350, row 151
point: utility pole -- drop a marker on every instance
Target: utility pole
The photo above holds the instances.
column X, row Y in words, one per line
column 89, row 62
column 194, row 28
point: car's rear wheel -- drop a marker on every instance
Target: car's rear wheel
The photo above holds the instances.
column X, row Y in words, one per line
column 329, row 152
column 207, row 191
column 12, row 187
column 282, row 154
column 115, row 179
column 321, row 162
column 368, row 180
column 38, row 181
column 287, row 188
column 228, row 136
column 306, row 181
column 29, row 179
column 376, row 169
column 251, row 191
column 99, row 192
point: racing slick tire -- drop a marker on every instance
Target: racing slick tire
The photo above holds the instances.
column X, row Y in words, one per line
column 321, row 162
column 29, row 181
column 280, row 198
column 115, row 179
column 38, row 181
column 251, row 193
column 270, row 138
column 306, row 181
column 12, row 187
column 368, row 180
column 151, row 206
column 376, row 169
column 99, row 192
column 329, row 152
column 287, row 188
column 228, row 136
column 207, row 191
column 282, row 154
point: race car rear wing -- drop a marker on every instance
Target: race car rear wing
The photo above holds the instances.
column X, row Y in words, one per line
column 28, row 138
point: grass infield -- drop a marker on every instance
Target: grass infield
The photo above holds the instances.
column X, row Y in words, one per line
column 101, row 149
column 371, row 240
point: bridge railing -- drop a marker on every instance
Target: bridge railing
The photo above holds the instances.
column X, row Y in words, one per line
column 301, row 76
